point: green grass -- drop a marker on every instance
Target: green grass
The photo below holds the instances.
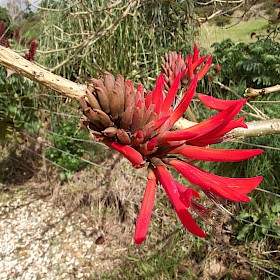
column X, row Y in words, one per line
column 240, row 32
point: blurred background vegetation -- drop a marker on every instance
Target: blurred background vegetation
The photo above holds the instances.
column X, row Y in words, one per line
column 83, row 39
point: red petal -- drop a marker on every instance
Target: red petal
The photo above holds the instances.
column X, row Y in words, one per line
column 175, row 136
column 205, row 68
column 183, row 105
column 217, row 138
column 145, row 214
column 151, row 144
column 215, row 103
column 209, row 154
column 171, row 95
column 190, row 67
column 199, row 62
column 157, row 92
column 232, row 125
column 131, row 154
column 219, row 121
column 195, row 53
column 139, row 134
column 186, row 194
column 229, row 188
column 160, row 122
column 171, row 189
column 148, row 99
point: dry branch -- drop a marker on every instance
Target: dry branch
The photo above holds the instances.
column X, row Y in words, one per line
column 18, row 64
column 251, row 92
column 255, row 128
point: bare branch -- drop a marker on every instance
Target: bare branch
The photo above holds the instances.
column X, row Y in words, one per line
column 251, row 92
column 18, row 64
column 257, row 128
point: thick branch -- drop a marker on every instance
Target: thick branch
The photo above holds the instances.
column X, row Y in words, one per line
column 255, row 128
column 251, row 92
column 18, row 64
column 15, row 62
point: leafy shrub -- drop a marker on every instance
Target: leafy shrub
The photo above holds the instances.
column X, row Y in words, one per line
column 4, row 15
column 255, row 64
column 66, row 149
column 16, row 99
column 260, row 222
column 16, row 92
column 222, row 21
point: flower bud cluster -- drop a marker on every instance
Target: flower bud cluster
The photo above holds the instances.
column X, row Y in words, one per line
column 138, row 124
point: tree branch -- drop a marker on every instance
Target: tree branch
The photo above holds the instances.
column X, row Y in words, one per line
column 251, row 92
column 257, row 128
column 18, row 64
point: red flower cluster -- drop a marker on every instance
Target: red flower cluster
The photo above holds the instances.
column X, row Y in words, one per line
column 14, row 35
column 138, row 124
column 3, row 40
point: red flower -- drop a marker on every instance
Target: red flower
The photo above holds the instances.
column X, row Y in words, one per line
column 33, row 45
column 14, row 34
column 138, row 126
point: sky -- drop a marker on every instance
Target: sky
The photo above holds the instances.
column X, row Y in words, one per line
column 3, row 3
column 21, row 4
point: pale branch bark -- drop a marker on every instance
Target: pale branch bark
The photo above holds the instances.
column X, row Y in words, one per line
column 18, row 64
column 251, row 92
column 13, row 61
column 255, row 128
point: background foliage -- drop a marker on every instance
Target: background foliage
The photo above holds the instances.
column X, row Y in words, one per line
column 79, row 40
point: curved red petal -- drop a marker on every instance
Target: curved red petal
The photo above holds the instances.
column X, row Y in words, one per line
column 160, row 122
column 148, row 99
column 131, row 154
column 170, row 95
column 186, row 194
column 229, row 188
column 195, row 53
column 170, row 187
column 145, row 214
column 199, row 62
column 214, row 124
column 215, row 103
column 218, row 136
column 216, row 155
column 175, row 136
column 183, row 105
column 158, row 93
column 202, row 72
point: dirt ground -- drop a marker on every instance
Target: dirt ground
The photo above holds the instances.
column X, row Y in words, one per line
column 70, row 230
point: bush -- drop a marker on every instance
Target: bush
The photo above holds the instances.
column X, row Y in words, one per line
column 255, row 64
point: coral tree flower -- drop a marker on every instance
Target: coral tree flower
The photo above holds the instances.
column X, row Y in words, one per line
column 138, row 125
